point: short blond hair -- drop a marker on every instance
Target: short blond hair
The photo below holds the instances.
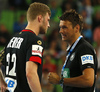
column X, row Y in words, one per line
column 36, row 9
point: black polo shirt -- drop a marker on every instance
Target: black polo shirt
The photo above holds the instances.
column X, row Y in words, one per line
column 83, row 56
column 23, row 47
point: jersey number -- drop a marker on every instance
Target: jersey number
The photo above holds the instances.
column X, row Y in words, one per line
column 13, row 60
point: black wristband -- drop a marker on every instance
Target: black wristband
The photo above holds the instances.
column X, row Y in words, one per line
column 61, row 81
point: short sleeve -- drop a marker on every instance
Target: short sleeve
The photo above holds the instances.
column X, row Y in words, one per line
column 86, row 57
column 35, row 51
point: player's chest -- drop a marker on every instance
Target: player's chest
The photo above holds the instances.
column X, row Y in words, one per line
column 72, row 61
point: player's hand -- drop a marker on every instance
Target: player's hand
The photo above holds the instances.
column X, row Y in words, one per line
column 3, row 87
column 53, row 78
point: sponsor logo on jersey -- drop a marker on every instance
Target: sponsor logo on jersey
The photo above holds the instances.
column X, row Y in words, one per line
column 37, row 50
column 20, row 33
column 66, row 73
column 39, row 42
column 87, row 59
column 11, row 84
column 72, row 56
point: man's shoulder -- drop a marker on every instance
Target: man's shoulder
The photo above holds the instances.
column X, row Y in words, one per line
column 84, row 47
column 84, row 44
column 30, row 38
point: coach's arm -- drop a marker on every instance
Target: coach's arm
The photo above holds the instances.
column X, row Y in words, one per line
column 32, row 76
column 85, row 80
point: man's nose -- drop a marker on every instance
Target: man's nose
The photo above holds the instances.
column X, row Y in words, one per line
column 48, row 25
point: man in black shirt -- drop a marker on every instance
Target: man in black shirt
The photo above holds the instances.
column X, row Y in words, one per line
column 24, row 52
column 80, row 67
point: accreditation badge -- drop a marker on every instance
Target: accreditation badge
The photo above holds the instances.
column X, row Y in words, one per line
column 66, row 73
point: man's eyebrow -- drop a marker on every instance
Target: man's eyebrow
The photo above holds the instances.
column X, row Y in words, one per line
column 63, row 26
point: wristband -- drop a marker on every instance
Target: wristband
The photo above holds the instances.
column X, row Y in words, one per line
column 61, row 81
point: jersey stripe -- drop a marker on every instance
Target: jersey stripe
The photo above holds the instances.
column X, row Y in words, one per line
column 27, row 30
column 35, row 59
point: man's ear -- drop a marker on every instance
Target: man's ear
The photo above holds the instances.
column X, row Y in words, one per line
column 77, row 28
column 40, row 18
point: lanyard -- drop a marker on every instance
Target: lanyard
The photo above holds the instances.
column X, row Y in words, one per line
column 69, row 53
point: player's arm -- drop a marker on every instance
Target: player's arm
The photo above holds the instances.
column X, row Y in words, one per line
column 32, row 76
column 3, row 84
column 85, row 80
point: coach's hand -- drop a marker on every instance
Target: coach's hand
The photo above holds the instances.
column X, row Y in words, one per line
column 53, row 78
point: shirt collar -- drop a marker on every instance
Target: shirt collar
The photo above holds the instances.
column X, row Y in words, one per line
column 27, row 30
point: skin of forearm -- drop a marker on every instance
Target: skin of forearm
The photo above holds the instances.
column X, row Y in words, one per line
column 34, row 83
column 81, row 81
column 1, row 77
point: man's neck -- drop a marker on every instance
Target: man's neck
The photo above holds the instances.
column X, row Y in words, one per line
column 34, row 27
column 74, row 39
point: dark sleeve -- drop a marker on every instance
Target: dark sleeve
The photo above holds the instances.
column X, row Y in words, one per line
column 86, row 57
column 35, row 51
